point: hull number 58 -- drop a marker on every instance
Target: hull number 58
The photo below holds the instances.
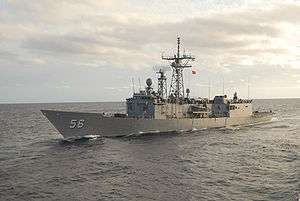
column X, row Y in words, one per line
column 74, row 123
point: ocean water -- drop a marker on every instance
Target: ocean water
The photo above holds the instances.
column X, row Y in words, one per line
column 245, row 163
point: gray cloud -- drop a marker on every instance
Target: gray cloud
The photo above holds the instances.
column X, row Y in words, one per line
column 61, row 35
column 217, row 33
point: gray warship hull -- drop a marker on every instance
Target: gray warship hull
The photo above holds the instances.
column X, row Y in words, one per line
column 78, row 124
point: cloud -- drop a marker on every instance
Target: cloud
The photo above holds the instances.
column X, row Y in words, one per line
column 220, row 38
column 237, row 39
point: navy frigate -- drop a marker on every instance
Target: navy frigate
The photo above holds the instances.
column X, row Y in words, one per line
column 163, row 111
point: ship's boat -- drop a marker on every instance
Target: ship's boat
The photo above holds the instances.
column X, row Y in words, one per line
column 150, row 111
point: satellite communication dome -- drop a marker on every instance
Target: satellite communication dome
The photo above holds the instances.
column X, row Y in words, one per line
column 149, row 82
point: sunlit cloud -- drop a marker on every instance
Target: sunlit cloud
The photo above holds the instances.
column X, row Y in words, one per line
column 73, row 41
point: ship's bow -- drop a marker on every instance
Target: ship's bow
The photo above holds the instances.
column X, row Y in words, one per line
column 73, row 124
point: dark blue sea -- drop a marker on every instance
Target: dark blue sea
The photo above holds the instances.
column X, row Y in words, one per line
column 260, row 162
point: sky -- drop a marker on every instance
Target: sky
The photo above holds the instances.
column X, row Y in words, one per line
column 90, row 50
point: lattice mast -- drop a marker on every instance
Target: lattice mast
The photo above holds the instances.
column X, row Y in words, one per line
column 162, row 84
column 180, row 62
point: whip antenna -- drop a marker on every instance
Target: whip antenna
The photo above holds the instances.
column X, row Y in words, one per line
column 133, row 90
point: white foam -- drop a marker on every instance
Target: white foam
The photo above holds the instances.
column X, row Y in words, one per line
column 91, row 136
column 274, row 119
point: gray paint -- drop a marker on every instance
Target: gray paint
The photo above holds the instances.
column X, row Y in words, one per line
column 97, row 124
column 140, row 105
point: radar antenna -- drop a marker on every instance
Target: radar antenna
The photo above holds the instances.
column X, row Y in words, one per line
column 179, row 62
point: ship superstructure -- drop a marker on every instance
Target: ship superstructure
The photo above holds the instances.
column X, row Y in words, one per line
column 178, row 104
column 164, row 110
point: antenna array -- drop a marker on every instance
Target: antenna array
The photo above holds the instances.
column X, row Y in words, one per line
column 179, row 62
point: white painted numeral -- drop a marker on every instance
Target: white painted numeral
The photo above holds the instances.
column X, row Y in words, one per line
column 73, row 123
column 76, row 123
column 80, row 123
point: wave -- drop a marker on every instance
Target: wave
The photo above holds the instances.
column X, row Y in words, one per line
column 274, row 119
column 199, row 129
column 277, row 126
column 87, row 138
column 232, row 128
column 291, row 118
column 280, row 126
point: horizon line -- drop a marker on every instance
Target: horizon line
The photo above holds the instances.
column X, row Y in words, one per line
column 13, row 103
